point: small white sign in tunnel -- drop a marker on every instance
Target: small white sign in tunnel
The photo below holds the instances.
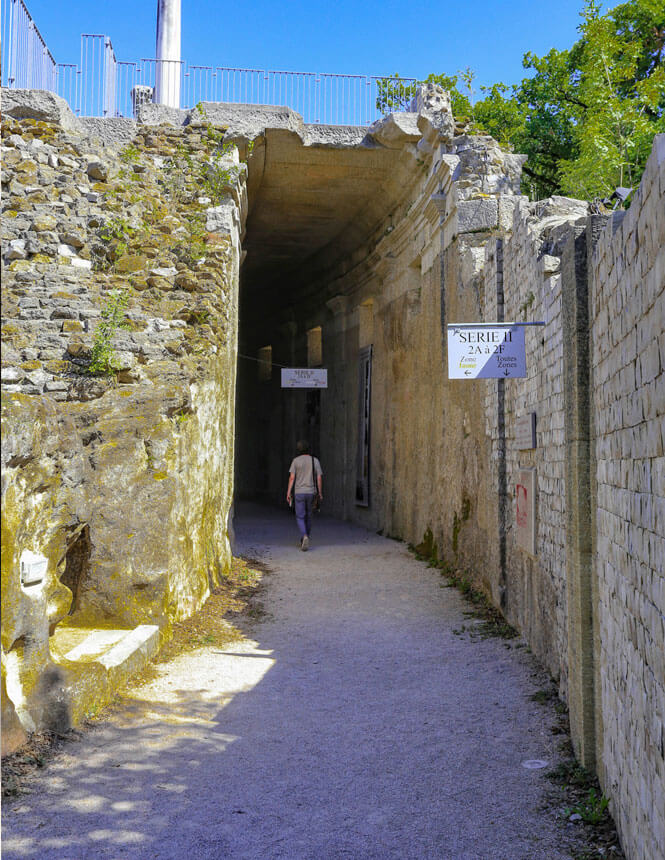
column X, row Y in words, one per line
column 304, row 377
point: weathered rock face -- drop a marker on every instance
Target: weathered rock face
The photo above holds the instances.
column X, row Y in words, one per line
column 13, row 733
column 122, row 479
column 39, row 105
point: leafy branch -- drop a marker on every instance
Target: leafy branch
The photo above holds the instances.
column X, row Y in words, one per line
column 103, row 358
column 586, row 116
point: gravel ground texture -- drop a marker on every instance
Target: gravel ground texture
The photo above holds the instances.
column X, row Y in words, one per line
column 350, row 722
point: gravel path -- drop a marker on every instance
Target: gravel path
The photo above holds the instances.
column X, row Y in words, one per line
column 351, row 723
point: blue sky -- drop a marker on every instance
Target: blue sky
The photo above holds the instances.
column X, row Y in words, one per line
column 412, row 37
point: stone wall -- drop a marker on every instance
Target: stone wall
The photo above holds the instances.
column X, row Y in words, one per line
column 121, row 480
column 590, row 601
column 627, row 324
column 522, row 284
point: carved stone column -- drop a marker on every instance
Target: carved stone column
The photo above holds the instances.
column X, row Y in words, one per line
column 167, row 73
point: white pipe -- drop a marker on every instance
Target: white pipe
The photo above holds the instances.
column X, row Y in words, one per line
column 167, row 73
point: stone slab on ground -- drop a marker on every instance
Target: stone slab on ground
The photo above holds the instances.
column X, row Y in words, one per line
column 95, row 644
column 351, row 722
column 101, row 662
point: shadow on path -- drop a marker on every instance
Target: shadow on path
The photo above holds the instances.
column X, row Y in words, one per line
column 353, row 723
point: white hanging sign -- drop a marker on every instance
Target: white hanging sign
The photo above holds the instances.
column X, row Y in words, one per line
column 486, row 351
column 304, row 377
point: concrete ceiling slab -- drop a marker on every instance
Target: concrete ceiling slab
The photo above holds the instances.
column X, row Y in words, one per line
column 306, row 198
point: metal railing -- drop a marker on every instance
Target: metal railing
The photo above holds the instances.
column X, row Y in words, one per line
column 68, row 83
column 26, row 59
column 318, row 97
column 99, row 76
column 104, row 86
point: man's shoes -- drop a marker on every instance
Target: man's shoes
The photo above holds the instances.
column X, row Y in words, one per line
column 304, row 544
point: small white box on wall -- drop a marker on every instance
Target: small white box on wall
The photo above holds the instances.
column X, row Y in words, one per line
column 33, row 567
column 525, row 510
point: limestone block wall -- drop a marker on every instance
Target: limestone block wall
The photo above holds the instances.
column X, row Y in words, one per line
column 590, row 601
column 407, row 409
column 627, row 319
column 123, row 480
column 395, row 301
column 523, row 282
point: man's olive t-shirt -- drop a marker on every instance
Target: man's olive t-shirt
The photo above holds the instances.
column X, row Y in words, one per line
column 301, row 467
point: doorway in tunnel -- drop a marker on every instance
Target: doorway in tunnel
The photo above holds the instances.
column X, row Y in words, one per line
column 313, row 414
column 270, row 419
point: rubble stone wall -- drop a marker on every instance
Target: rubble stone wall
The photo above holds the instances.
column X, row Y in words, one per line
column 122, row 480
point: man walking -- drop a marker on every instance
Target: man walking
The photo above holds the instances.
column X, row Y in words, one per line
column 305, row 483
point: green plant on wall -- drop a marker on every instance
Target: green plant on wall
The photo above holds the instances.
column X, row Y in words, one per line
column 210, row 177
column 103, row 359
column 217, row 175
column 117, row 234
column 187, row 175
column 191, row 248
column 130, row 154
column 118, row 231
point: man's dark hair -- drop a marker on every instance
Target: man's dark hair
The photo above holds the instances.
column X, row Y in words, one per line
column 302, row 446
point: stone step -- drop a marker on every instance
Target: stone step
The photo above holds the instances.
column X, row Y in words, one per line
column 95, row 644
column 102, row 662
column 132, row 652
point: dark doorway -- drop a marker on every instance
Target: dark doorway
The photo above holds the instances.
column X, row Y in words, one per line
column 77, row 564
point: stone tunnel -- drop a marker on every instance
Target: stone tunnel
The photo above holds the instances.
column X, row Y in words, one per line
column 342, row 270
column 315, row 202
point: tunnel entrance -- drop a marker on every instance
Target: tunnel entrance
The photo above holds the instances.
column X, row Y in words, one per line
column 318, row 201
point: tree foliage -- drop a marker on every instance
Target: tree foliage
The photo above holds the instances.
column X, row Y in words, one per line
column 585, row 117
column 621, row 88
column 396, row 93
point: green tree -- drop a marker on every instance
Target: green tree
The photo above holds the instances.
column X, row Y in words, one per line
column 621, row 84
column 550, row 103
column 585, row 117
column 501, row 115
